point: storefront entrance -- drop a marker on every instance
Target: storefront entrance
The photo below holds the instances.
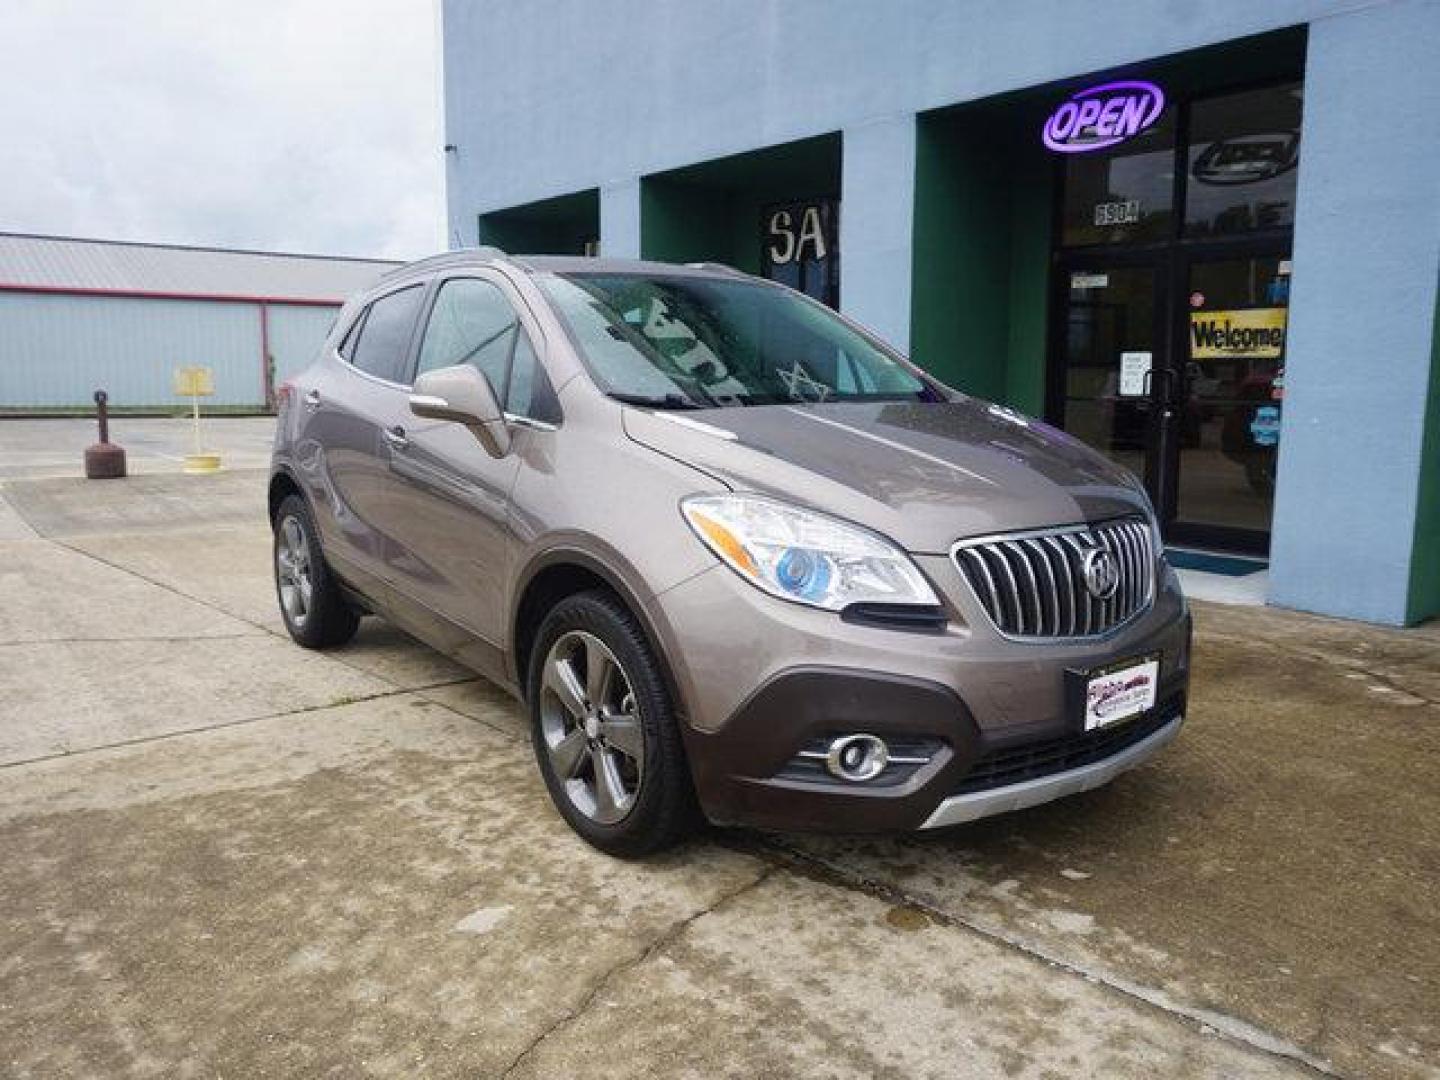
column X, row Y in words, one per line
column 1171, row 287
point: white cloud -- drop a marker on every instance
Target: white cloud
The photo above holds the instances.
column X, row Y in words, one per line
column 296, row 125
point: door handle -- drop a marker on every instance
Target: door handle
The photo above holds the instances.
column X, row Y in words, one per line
column 312, row 400
column 395, row 436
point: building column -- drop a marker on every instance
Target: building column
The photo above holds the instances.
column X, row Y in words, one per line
column 620, row 219
column 1355, row 533
column 877, row 213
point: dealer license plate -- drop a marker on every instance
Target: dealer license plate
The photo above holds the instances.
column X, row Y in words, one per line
column 1121, row 691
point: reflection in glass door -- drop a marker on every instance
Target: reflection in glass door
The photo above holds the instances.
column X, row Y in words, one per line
column 1231, row 393
column 1108, row 349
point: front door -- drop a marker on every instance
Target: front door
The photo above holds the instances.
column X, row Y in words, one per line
column 1226, row 394
column 1112, row 343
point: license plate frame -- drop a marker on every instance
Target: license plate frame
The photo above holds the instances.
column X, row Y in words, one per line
column 1120, row 691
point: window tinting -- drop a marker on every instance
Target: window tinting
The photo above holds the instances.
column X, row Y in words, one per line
column 1241, row 162
column 473, row 323
column 386, row 334
column 695, row 342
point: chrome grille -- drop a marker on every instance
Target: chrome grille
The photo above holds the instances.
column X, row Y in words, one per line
column 1032, row 585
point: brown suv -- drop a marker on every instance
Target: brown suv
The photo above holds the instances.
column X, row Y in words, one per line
column 734, row 553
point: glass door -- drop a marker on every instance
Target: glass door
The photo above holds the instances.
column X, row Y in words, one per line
column 1227, row 395
column 1109, row 337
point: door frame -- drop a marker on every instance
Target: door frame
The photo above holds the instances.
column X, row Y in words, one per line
column 1167, row 452
column 1171, row 264
column 1156, row 258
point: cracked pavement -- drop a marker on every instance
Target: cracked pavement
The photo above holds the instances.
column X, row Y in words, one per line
column 226, row 855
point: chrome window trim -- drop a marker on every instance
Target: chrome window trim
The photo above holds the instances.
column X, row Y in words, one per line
column 348, row 366
column 1058, row 532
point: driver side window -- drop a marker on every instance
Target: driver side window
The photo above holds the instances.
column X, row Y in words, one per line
column 473, row 323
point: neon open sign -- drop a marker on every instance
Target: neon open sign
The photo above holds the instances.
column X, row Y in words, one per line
column 1103, row 116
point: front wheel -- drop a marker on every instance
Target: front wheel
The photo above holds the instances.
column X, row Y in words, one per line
column 604, row 729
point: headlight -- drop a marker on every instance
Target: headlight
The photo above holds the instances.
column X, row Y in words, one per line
column 800, row 555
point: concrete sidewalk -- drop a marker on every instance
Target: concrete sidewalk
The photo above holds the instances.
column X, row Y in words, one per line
column 226, row 855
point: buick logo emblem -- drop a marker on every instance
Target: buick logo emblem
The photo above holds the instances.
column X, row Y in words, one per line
column 1101, row 573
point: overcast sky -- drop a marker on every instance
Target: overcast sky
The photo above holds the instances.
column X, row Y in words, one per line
column 291, row 125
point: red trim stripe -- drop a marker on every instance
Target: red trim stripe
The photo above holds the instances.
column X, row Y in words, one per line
column 142, row 294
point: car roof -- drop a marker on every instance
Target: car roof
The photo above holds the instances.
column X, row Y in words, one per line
column 554, row 264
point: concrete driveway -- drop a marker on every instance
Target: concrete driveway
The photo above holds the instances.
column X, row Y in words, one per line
column 227, row 856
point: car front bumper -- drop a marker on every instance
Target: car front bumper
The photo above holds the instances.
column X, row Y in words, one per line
column 764, row 684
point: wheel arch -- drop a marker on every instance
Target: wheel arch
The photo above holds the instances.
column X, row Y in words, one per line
column 563, row 572
column 282, row 486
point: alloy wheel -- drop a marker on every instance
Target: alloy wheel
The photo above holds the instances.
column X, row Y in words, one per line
column 293, row 571
column 591, row 727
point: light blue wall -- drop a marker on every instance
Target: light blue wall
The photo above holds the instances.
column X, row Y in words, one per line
column 1362, row 314
column 56, row 350
column 877, row 210
column 555, row 96
column 296, row 334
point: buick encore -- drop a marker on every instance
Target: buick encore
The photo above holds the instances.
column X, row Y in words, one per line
column 737, row 557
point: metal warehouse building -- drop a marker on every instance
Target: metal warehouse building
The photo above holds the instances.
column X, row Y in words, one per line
column 81, row 315
column 1204, row 238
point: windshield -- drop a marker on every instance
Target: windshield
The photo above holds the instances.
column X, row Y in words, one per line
column 699, row 342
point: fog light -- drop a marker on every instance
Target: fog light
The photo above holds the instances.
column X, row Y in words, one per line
column 857, row 758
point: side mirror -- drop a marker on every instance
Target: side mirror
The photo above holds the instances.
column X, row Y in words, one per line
column 464, row 395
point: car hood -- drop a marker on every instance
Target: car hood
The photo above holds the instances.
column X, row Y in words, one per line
column 924, row 474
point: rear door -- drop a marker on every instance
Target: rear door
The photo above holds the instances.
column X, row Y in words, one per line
column 352, row 407
column 453, row 511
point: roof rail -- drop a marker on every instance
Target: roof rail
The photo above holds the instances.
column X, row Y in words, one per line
column 448, row 258
column 724, row 267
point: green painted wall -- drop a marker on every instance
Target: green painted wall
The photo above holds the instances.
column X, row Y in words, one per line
column 982, row 254
column 712, row 211
column 558, row 226
column 1425, row 566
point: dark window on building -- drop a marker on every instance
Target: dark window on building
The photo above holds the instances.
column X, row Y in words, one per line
column 385, row 337
column 1241, row 162
column 801, row 247
column 1122, row 195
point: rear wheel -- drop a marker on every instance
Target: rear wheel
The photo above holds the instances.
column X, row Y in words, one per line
column 604, row 729
column 315, row 611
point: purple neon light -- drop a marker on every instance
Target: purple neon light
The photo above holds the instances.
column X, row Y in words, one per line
column 1132, row 117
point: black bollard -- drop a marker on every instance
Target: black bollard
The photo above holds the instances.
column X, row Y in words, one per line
column 104, row 460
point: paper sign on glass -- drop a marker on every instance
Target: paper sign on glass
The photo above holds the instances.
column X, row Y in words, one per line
column 1134, row 373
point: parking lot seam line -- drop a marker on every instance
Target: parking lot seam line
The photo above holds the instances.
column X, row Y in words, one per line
column 1230, row 1028
column 630, row 963
column 506, row 732
column 1388, row 681
column 223, row 724
column 227, row 613
column 175, row 639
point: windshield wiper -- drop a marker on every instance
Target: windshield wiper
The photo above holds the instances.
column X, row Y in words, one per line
column 660, row 401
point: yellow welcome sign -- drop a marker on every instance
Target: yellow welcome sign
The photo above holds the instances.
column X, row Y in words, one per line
column 1248, row 333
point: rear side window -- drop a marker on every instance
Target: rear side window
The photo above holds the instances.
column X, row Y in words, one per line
column 385, row 335
column 352, row 338
column 473, row 323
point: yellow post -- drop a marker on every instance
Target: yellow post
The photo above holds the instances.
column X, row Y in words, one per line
column 195, row 383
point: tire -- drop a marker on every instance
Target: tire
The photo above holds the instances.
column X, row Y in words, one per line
column 587, row 729
column 315, row 612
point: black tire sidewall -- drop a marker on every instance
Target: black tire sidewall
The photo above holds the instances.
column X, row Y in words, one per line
column 330, row 620
column 660, row 814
